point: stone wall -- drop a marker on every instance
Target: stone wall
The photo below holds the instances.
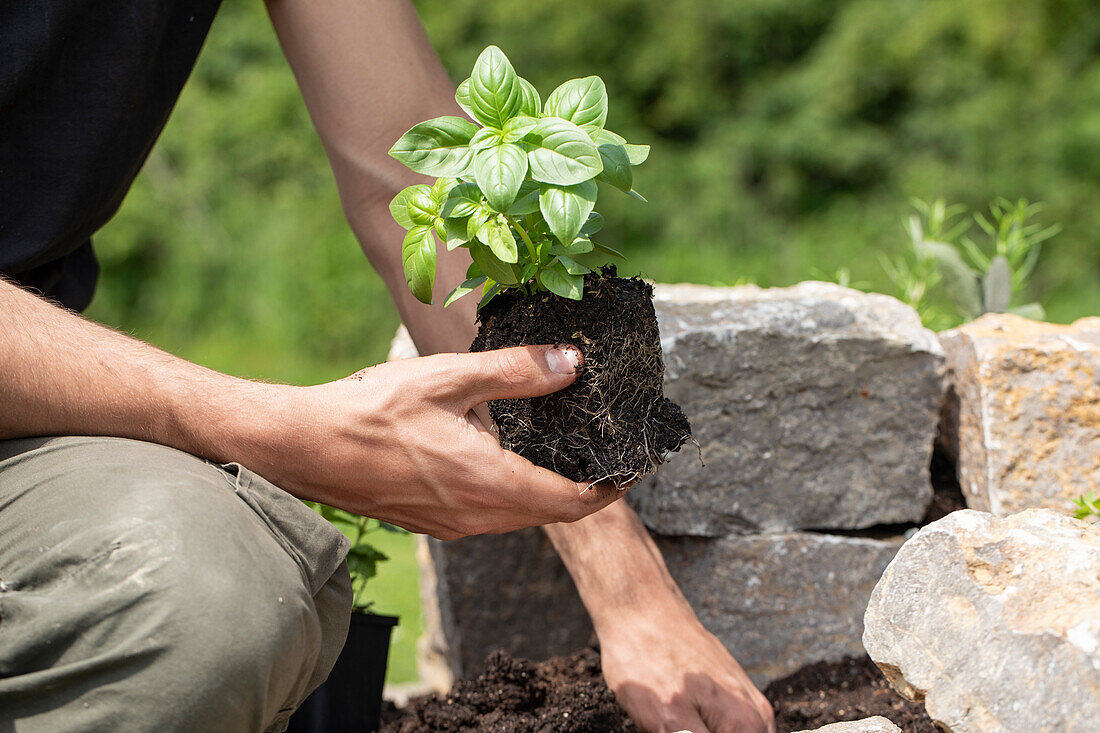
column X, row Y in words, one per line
column 815, row 408
column 1022, row 419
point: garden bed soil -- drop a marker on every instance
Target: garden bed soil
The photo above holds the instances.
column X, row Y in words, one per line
column 613, row 423
column 568, row 695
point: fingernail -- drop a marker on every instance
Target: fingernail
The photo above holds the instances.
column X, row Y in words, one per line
column 564, row 359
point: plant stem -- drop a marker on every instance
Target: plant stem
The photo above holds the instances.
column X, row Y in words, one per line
column 526, row 239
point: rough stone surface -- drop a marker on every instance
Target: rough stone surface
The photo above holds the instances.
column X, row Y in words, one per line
column 778, row 602
column 1023, row 416
column 877, row 724
column 994, row 623
column 815, row 407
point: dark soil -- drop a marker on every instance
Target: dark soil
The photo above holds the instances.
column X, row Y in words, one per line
column 560, row 695
column 568, row 694
column 614, row 423
column 830, row 692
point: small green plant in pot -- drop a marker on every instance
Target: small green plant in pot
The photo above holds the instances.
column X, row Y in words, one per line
column 350, row 699
column 516, row 185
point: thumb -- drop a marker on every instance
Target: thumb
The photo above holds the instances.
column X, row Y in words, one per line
column 520, row 371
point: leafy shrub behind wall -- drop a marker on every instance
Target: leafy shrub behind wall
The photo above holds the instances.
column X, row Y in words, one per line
column 788, row 138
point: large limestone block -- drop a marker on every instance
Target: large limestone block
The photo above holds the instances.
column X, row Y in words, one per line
column 1023, row 417
column 877, row 724
column 778, row 602
column 994, row 623
column 815, row 407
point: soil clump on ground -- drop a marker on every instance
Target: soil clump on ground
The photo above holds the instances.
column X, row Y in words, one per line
column 568, row 695
column 560, row 695
column 613, row 423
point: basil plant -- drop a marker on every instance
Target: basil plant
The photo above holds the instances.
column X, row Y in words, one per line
column 516, row 185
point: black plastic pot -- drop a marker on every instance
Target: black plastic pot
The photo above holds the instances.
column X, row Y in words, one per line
column 350, row 700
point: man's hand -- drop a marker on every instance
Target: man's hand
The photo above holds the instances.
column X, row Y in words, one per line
column 666, row 670
column 671, row 674
column 397, row 442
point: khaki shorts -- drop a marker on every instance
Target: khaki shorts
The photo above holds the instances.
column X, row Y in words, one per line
column 145, row 589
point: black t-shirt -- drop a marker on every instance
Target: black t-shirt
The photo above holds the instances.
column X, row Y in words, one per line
column 85, row 88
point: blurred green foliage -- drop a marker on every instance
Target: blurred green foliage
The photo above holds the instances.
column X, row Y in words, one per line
column 788, row 137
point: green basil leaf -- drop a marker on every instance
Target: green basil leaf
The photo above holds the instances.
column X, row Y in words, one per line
column 455, row 233
column 441, row 188
column 399, row 206
column 609, row 251
column 517, row 128
column 566, row 208
column 593, row 225
column 616, row 166
column 476, row 221
column 577, row 247
column 437, row 147
column 581, row 101
column 496, row 95
column 634, row 194
column 532, row 103
column 486, row 137
column 572, row 266
column 462, row 200
column 527, row 200
column 558, row 281
column 418, row 260
column 473, row 271
column 497, row 235
column 422, row 209
column 528, row 272
column 562, row 153
column 462, row 96
column 499, row 171
column 637, row 154
column 500, row 272
column 491, row 290
column 465, row 288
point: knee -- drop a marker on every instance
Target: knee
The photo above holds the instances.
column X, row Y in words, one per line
column 236, row 614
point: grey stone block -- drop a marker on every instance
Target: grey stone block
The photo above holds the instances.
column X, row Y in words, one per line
column 778, row 602
column 1023, row 418
column 815, row 407
column 994, row 623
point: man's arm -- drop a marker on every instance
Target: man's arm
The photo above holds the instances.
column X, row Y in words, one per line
column 668, row 671
column 368, row 73
column 392, row 441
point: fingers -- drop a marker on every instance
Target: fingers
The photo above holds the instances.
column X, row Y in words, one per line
column 521, row 371
column 726, row 712
column 684, row 721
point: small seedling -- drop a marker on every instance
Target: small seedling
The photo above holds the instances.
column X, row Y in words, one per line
column 516, row 184
column 363, row 557
column 1088, row 507
column 976, row 277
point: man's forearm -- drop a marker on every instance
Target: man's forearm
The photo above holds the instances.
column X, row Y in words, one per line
column 368, row 73
column 616, row 567
column 63, row 374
